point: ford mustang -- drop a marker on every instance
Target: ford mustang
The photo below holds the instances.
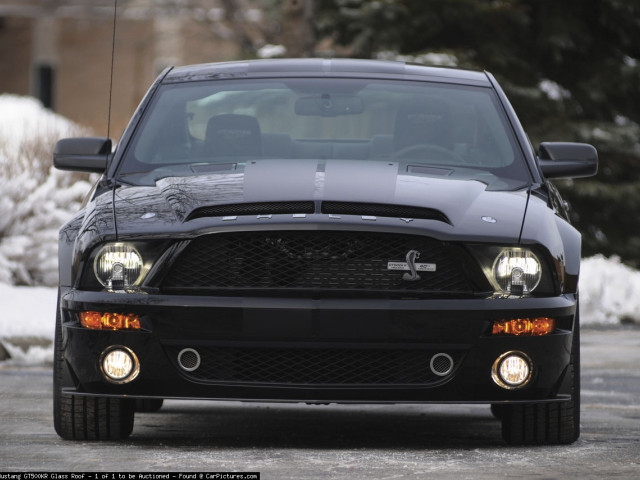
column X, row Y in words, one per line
column 321, row 231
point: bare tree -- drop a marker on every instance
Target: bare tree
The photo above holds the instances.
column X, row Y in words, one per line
column 298, row 33
column 287, row 22
column 241, row 31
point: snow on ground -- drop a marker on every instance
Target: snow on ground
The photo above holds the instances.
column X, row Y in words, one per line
column 27, row 323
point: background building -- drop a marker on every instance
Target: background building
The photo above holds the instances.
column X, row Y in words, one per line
column 60, row 51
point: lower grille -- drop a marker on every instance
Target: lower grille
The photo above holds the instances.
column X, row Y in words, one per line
column 318, row 263
column 313, row 366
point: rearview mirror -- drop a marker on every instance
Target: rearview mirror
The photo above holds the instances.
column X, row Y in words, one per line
column 567, row 160
column 89, row 154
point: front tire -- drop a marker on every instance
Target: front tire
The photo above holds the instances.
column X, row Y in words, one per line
column 497, row 411
column 547, row 423
column 149, row 405
column 86, row 418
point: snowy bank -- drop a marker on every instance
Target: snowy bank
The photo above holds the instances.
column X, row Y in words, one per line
column 35, row 199
column 27, row 323
column 609, row 292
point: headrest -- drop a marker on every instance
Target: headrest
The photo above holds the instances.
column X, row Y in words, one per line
column 233, row 135
column 426, row 122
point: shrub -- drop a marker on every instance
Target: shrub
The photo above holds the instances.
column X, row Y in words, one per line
column 35, row 199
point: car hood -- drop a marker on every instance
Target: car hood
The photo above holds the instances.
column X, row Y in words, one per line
column 476, row 206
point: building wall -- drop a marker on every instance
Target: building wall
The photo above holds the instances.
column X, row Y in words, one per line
column 65, row 46
column 201, row 46
column 84, row 70
column 15, row 54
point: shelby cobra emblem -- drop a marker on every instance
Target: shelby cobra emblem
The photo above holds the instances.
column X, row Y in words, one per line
column 412, row 266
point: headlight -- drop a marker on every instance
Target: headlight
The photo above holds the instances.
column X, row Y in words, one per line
column 118, row 266
column 517, row 271
column 121, row 266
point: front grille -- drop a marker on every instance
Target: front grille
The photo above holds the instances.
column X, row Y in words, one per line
column 313, row 366
column 316, row 262
column 383, row 210
column 258, row 208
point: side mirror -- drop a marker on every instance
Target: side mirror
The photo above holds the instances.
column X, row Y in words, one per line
column 90, row 154
column 567, row 160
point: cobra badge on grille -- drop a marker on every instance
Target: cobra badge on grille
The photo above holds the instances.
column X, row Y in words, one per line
column 412, row 266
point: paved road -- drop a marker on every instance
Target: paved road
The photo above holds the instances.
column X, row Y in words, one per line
column 341, row 442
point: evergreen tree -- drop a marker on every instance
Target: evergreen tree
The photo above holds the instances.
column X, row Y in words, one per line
column 571, row 68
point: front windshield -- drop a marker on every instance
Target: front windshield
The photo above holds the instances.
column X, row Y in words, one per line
column 426, row 128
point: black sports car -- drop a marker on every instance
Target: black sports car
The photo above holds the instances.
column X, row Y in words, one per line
column 321, row 231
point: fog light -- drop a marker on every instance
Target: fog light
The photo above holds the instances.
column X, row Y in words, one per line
column 512, row 370
column 119, row 365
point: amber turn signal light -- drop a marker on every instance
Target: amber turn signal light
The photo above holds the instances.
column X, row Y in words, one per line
column 110, row 321
column 524, row 326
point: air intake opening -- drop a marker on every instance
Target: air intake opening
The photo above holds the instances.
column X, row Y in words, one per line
column 189, row 359
column 383, row 210
column 259, row 208
column 441, row 364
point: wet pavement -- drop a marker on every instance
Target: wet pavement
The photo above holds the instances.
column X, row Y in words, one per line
column 338, row 441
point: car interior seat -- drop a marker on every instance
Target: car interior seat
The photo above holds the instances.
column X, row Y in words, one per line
column 428, row 122
column 233, row 135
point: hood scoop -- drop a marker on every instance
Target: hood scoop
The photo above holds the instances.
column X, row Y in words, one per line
column 383, row 210
column 256, row 208
column 328, row 207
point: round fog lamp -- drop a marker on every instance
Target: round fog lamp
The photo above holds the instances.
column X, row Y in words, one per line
column 120, row 365
column 512, row 370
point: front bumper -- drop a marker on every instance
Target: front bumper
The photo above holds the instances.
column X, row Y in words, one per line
column 314, row 350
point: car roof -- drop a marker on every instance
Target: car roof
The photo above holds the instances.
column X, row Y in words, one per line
column 313, row 67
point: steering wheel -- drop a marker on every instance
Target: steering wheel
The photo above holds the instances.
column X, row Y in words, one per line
column 428, row 151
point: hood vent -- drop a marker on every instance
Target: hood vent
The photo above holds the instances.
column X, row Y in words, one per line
column 383, row 210
column 330, row 207
column 260, row 208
